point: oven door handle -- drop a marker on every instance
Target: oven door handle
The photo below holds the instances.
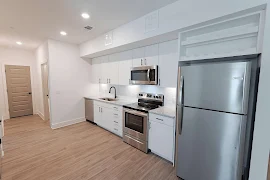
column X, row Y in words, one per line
column 136, row 112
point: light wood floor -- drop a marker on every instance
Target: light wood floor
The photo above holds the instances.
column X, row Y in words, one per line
column 82, row 151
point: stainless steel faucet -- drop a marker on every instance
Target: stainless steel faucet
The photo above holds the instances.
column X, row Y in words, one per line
column 114, row 91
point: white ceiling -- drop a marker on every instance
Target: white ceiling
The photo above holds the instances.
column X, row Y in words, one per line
column 34, row 21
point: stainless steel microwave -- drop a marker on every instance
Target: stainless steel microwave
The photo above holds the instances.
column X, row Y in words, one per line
column 146, row 75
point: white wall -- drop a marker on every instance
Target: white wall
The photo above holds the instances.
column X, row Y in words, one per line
column 42, row 56
column 12, row 56
column 69, row 78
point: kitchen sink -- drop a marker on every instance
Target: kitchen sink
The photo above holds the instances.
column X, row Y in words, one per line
column 108, row 99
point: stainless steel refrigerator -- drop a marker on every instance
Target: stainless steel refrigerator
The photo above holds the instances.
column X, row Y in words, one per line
column 216, row 102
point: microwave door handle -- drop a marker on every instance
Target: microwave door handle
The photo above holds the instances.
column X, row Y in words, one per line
column 148, row 74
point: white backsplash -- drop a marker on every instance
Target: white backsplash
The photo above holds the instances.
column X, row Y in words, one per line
column 132, row 92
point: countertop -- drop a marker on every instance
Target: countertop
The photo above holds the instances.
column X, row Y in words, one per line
column 165, row 111
column 119, row 102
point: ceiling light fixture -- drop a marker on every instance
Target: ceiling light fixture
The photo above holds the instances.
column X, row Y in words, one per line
column 19, row 42
column 85, row 15
column 63, row 33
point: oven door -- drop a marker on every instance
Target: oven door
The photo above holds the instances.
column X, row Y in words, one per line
column 144, row 75
column 135, row 124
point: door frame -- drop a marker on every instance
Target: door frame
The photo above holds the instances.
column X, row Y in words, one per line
column 44, row 95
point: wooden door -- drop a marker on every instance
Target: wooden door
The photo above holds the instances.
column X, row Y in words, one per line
column 45, row 88
column 19, row 90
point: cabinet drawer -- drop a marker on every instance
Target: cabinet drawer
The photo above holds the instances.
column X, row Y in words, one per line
column 117, row 130
column 118, row 122
column 117, row 109
column 161, row 119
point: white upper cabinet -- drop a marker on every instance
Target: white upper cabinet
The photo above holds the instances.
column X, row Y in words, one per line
column 125, row 65
column 168, row 63
column 96, row 70
column 151, row 55
column 138, row 57
column 112, row 69
column 145, row 56
column 104, row 69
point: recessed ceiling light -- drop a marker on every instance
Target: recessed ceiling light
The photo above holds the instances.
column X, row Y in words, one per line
column 63, row 33
column 19, row 42
column 85, row 15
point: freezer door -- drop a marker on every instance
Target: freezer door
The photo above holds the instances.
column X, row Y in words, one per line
column 219, row 86
column 210, row 145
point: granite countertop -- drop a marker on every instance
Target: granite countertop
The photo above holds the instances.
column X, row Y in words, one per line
column 165, row 111
column 119, row 102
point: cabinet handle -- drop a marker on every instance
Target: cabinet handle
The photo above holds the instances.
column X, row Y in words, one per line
column 98, row 109
column 115, row 129
column 109, row 80
column 99, row 81
column 101, row 109
column 115, row 108
column 115, row 114
column 115, row 122
column 145, row 62
column 159, row 119
column 141, row 62
column 159, row 82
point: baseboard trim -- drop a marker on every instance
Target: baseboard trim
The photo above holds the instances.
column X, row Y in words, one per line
column 68, row 123
column 41, row 115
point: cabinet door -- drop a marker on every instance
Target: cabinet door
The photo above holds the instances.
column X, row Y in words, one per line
column 107, row 118
column 96, row 71
column 124, row 72
column 104, row 69
column 151, row 55
column 112, row 72
column 138, row 57
column 161, row 140
column 168, row 63
column 97, row 115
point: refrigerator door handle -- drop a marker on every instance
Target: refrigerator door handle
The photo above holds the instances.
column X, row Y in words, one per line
column 179, row 109
column 179, row 116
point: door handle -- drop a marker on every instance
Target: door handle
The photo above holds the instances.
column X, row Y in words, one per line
column 148, row 74
column 179, row 108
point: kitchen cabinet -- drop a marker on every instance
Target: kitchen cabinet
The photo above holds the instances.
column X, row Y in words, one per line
column 138, row 57
column 151, row 55
column 104, row 69
column 145, row 56
column 168, row 63
column 96, row 71
column 100, row 70
column 125, row 65
column 161, row 136
column 109, row 117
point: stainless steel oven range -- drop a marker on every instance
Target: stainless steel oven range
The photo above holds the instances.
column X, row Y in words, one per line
column 135, row 117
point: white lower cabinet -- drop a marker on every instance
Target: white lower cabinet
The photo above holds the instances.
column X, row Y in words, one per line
column 161, row 136
column 109, row 117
